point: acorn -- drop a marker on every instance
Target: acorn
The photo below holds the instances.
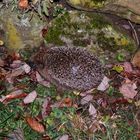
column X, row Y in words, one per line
column 69, row 68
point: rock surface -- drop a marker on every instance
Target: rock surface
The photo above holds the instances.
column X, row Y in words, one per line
column 94, row 32
column 18, row 30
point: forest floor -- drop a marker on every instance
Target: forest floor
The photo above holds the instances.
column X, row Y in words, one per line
column 31, row 108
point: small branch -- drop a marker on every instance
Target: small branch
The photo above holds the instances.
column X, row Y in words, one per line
column 134, row 33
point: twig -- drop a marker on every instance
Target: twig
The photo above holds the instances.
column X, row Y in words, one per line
column 134, row 32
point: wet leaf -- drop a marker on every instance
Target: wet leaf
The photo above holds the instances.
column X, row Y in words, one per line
column 35, row 125
column 30, row 97
column 128, row 89
column 104, row 84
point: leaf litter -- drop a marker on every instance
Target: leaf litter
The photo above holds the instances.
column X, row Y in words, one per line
column 47, row 112
column 48, row 109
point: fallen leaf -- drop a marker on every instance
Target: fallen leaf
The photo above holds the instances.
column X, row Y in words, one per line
column 46, row 138
column 13, row 95
column 16, row 64
column 102, row 102
column 136, row 59
column 104, row 84
column 137, row 103
column 41, row 80
column 64, row 137
column 67, row 102
column 86, row 99
column 46, row 108
column 35, row 125
column 128, row 89
column 92, row 111
column 30, row 97
column 26, row 68
column 13, row 74
column 127, row 67
column 23, row 4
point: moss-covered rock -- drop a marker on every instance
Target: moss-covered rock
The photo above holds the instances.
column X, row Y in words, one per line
column 93, row 31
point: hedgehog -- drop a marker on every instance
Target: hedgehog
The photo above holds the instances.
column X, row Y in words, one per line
column 69, row 68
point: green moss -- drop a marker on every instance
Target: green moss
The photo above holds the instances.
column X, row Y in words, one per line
column 53, row 36
column 110, row 44
column 54, row 32
column 98, row 22
column 81, row 43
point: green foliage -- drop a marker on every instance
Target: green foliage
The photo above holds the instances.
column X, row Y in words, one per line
column 46, row 91
column 58, row 117
column 120, row 57
column 118, row 68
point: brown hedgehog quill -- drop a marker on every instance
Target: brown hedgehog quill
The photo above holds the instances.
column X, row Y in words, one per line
column 69, row 68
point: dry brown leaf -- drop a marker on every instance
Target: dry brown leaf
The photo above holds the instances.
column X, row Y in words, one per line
column 127, row 67
column 67, row 102
column 92, row 111
column 30, row 97
column 23, row 4
column 128, row 89
column 136, row 59
column 46, row 108
column 26, row 68
column 41, row 80
column 35, row 125
column 104, row 84
column 86, row 99
column 16, row 64
column 14, row 73
column 13, row 95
